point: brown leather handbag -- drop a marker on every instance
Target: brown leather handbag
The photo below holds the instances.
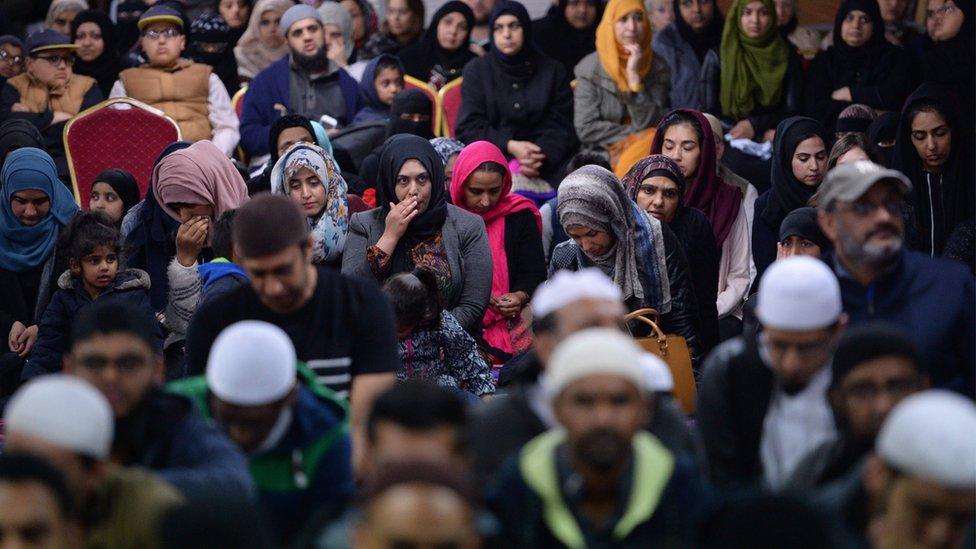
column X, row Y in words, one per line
column 673, row 350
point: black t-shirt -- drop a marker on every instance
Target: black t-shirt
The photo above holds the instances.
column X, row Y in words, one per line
column 346, row 329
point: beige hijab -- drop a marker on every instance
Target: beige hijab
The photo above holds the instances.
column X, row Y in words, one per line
column 252, row 54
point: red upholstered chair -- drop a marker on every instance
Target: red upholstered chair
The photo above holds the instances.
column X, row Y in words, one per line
column 238, row 101
column 450, row 100
column 107, row 136
column 431, row 93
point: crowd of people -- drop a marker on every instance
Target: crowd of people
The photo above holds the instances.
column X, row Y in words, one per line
column 675, row 277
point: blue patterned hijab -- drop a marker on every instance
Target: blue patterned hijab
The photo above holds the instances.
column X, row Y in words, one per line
column 23, row 248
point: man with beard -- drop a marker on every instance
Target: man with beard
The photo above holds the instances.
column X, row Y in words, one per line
column 303, row 82
column 874, row 368
column 113, row 348
column 600, row 481
column 763, row 400
column 862, row 211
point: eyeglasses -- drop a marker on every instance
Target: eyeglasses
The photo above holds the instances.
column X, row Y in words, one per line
column 945, row 11
column 57, row 60
column 10, row 59
column 154, row 34
column 864, row 209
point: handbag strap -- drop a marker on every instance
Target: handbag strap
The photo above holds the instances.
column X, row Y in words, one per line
column 642, row 315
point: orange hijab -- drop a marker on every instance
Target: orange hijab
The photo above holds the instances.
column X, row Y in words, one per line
column 613, row 57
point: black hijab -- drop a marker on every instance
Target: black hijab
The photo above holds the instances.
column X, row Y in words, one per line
column 211, row 42
column 18, row 133
column 853, row 58
column 410, row 101
column 123, row 184
column 508, row 7
column 884, row 128
column 703, row 41
column 262, row 181
column 951, row 62
column 957, row 174
column 396, row 151
column 421, row 58
column 788, row 192
column 106, row 67
column 558, row 39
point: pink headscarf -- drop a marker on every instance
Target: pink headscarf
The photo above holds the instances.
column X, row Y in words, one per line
column 496, row 331
column 198, row 174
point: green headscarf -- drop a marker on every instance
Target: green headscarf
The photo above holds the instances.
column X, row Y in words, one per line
column 753, row 69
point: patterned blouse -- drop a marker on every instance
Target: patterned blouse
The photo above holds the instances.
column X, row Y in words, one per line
column 428, row 253
column 447, row 356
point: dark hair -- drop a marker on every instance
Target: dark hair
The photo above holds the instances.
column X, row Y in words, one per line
column 681, row 117
column 222, row 235
column 416, row 299
column 491, row 167
column 418, row 472
column 581, row 159
column 85, row 232
column 26, row 468
column 111, row 317
column 387, row 62
column 282, row 124
column 927, row 106
column 417, row 405
column 849, row 141
column 419, row 13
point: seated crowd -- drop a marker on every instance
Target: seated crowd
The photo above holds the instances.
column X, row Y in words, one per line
column 656, row 276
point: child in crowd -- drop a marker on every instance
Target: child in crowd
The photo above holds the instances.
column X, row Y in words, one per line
column 432, row 345
column 382, row 80
column 113, row 194
column 91, row 245
column 223, row 274
column 188, row 92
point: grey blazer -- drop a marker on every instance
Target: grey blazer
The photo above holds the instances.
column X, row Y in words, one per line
column 468, row 255
column 602, row 114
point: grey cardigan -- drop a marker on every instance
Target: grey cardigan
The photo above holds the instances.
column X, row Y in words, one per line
column 468, row 255
column 601, row 111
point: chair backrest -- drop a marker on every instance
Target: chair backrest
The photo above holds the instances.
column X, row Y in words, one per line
column 450, row 99
column 117, row 133
column 238, row 101
column 431, row 93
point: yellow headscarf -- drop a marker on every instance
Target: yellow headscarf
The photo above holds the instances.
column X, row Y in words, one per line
column 613, row 57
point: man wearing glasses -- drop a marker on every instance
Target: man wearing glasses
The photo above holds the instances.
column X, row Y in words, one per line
column 863, row 211
column 48, row 93
column 763, row 406
column 188, row 92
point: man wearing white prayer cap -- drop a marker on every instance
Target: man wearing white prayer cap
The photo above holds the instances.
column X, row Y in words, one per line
column 600, row 462
column 66, row 422
column 919, row 485
column 568, row 302
column 292, row 428
column 763, row 400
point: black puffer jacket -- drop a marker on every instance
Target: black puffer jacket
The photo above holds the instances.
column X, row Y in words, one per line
column 683, row 317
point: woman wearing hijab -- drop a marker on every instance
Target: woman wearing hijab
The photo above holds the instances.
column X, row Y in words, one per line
column 309, row 176
column 531, row 120
column 696, row 30
column 620, row 89
column 114, row 193
column 799, row 164
column 754, row 79
column 949, row 49
column 861, row 66
column 97, row 55
column 608, row 231
column 685, row 136
column 443, row 51
column 17, row 134
column 411, row 114
column 236, row 13
column 210, row 41
column 337, row 22
column 62, row 13
column 881, row 134
column 568, row 31
column 655, row 183
column 285, row 132
column 402, row 27
column 34, row 207
column 264, row 41
column 416, row 227
column 482, row 185
column 448, row 149
column 364, row 21
column 934, row 150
